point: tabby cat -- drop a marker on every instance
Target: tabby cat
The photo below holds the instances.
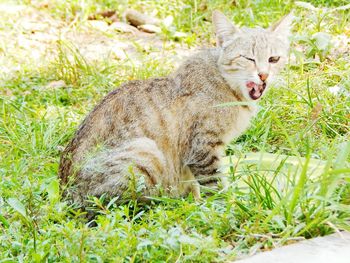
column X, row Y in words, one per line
column 168, row 133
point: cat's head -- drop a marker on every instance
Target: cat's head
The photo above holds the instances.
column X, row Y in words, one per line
column 250, row 58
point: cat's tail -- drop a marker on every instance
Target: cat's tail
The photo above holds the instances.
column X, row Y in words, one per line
column 134, row 169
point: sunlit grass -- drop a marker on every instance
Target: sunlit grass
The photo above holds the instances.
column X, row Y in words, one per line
column 289, row 172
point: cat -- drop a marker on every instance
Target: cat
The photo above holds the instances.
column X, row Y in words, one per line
column 169, row 133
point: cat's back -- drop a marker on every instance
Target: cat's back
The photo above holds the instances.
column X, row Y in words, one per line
column 135, row 109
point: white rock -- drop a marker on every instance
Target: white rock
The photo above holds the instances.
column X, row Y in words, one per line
column 178, row 34
column 329, row 249
column 119, row 53
column 123, row 27
column 150, row 28
column 168, row 21
column 98, row 24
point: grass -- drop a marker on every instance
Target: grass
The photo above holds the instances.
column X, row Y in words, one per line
column 274, row 199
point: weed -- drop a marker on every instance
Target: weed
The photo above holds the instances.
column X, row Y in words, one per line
column 289, row 172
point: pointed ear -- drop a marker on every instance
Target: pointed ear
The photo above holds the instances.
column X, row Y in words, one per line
column 283, row 26
column 223, row 28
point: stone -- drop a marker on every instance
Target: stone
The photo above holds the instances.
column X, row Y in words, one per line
column 103, row 14
column 136, row 18
column 98, row 25
column 333, row 248
column 123, row 27
column 119, row 53
column 150, row 28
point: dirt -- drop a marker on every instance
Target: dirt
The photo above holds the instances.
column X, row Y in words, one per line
column 29, row 35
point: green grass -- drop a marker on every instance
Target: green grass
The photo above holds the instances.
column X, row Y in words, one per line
column 273, row 200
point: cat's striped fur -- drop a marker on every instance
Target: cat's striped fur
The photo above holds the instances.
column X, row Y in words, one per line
column 170, row 129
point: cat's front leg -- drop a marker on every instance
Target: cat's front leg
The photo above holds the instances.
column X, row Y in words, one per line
column 190, row 184
column 205, row 163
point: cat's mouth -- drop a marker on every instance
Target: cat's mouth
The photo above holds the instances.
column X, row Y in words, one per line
column 255, row 90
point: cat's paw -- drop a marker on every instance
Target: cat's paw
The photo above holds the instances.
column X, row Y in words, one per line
column 196, row 191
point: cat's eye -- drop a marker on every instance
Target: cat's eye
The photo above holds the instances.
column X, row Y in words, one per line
column 251, row 59
column 274, row 59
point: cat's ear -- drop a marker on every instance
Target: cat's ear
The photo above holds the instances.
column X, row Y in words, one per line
column 283, row 26
column 223, row 28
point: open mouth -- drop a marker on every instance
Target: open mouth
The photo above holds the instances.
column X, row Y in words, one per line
column 255, row 90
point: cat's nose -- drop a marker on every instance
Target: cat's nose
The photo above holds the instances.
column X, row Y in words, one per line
column 263, row 76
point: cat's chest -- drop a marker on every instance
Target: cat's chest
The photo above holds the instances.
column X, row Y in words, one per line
column 239, row 122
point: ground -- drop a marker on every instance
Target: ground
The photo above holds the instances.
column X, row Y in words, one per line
column 56, row 65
